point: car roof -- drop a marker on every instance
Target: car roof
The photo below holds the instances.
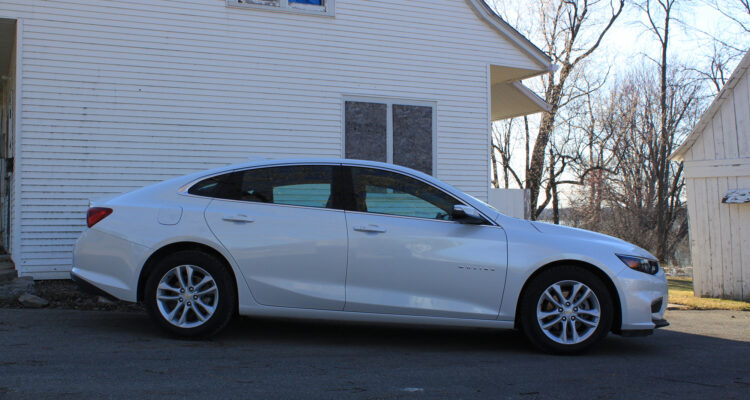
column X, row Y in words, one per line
column 321, row 160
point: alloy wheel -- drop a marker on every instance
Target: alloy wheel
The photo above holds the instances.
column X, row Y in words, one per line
column 568, row 312
column 187, row 296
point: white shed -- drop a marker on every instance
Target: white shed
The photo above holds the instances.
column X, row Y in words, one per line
column 103, row 97
column 717, row 170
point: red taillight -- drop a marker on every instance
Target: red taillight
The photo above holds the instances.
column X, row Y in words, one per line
column 97, row 214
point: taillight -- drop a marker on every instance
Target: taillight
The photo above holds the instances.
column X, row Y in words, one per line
column 96, row 214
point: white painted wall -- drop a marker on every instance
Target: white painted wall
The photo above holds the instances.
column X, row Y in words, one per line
column 718, row 161
column 119, row 94
column 510, row 202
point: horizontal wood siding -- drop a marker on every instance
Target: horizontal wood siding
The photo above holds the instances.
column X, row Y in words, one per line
column 719, row 161
column 120, row 94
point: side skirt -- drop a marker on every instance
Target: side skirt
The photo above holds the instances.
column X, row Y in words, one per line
column 325, row 315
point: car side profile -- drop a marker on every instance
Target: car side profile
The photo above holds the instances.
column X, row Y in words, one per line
column 359, row 241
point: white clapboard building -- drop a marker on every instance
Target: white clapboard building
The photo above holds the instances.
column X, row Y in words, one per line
column 101, row 97
column 717, row 170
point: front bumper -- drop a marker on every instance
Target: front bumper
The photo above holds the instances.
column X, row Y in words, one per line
column 643, row 298
column 658, row 323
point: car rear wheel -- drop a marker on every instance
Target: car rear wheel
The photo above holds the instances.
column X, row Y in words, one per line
column 191, row 294
column 566, row 310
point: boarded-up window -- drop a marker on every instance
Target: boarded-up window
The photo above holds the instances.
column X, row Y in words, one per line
column 391, row 132
column 322, row 7
column 366, row 131
column 412, row 137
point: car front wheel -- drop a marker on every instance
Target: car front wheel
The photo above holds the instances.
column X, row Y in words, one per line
column 190, row 294
column 566, row 310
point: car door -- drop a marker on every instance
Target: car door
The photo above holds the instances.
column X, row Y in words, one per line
column 407, row 256
column 283, row 228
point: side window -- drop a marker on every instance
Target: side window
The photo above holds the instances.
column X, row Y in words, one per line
column 385, row 192
column 305, row 185
column 221, row 187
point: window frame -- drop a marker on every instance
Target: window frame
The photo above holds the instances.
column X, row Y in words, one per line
column 342, row 188
column 328, row 8
column 389, row 102
column 348, row 186
column 338, row 186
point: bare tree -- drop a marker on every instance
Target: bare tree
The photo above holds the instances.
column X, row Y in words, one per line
column 566, row 25
column 728, row 45
column 667, row 177
column 502, row 151
column 621, row 194
column 736, row 10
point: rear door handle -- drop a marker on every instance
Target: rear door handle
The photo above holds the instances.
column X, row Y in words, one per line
column 370, row 228
column 239, row 218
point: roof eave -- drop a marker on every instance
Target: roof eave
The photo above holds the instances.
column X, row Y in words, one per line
column 744, row 65
column 536, row 54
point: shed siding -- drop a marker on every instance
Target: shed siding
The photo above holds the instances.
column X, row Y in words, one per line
column 718, row 161
column 117, row 95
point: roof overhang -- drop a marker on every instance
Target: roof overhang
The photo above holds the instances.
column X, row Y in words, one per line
column 708, row 115
column 512, row 99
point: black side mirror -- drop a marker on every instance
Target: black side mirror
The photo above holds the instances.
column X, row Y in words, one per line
column 467, row 215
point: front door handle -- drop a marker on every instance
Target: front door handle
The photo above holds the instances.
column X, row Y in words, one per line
column 239, row 218
column 370, row 228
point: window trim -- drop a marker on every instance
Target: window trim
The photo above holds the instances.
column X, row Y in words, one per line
column 328, row 9
column 389, row 102
column 348, row 187
column 339, row 181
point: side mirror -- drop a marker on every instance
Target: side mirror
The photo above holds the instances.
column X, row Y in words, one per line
column 467, row 215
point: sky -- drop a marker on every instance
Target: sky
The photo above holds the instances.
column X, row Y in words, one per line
column 689, row 38
column 629, row 40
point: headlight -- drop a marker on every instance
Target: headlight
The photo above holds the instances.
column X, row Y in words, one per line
column 640, row 264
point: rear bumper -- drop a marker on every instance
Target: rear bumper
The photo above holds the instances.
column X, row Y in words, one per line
column 106, row 263
column 86, row 287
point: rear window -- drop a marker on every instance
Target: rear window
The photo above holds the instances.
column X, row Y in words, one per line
column 304, row 185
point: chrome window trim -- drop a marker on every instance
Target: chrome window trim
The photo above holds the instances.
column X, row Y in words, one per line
column 185, row 188
column 462, row 202
column 490, row 223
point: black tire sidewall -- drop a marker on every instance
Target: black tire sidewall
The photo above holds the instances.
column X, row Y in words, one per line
column 224, row 282
column 531, row 296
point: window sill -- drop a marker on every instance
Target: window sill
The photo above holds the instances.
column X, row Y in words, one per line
column 323, row 11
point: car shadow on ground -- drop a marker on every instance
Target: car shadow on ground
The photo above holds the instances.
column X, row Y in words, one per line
column 245, row 331
column 403, row 337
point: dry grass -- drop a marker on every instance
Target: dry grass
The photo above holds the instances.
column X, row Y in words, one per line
column 681, row 292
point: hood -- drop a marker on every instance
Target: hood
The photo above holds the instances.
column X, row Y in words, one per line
column 570, row 233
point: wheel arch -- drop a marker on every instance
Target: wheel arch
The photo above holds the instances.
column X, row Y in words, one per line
column 171, row 248
column 613, row 293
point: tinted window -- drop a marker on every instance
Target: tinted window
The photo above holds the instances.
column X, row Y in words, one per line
column 384, row 192
column 308, row 186
column 222, row 186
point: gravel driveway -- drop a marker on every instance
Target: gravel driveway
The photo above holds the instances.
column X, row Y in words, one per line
column 90, row 354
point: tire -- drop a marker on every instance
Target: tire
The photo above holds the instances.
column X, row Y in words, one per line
column 200, row 307
column 571, row 324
